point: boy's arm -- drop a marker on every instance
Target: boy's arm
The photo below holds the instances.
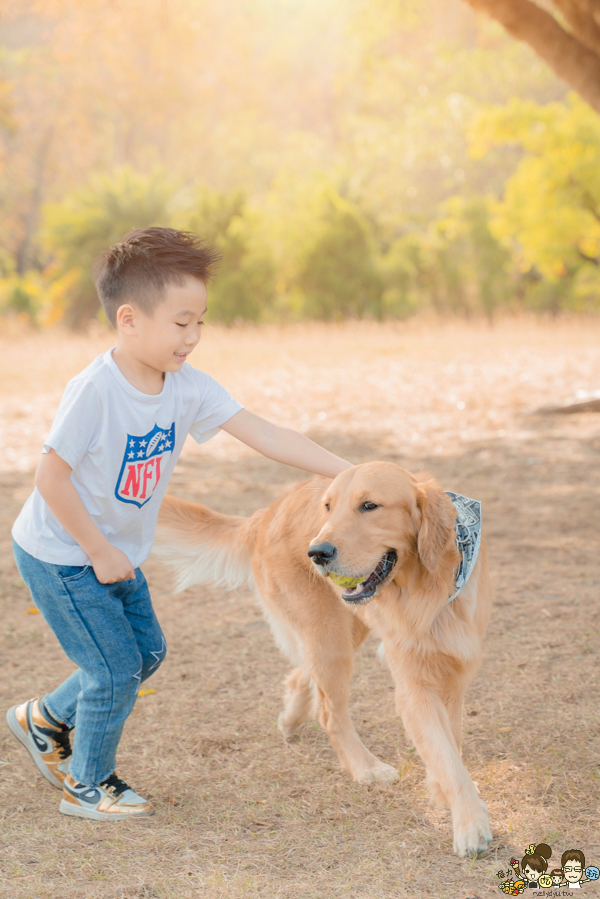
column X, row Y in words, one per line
column 53, row 480
column 283, row 444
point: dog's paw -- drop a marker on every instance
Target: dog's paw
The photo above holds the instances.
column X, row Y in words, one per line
column 288, row 731
column 383, row 774
column 473, row 835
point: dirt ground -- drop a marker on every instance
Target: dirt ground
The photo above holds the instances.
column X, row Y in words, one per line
column 240, row 814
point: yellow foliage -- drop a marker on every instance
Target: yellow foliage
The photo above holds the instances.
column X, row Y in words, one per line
column 550, row 212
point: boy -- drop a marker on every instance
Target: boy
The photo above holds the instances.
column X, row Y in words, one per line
column 89, row 524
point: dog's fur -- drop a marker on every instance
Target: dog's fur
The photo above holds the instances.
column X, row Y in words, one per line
column 433, row 647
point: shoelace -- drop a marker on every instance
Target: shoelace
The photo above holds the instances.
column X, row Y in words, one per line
column 115, row 784
column 64, row 744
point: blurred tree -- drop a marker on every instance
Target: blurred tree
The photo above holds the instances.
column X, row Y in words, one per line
column 473, row 268
column 402, row 268
column 94, row 217
column 550, row 213
column 574, row 54
column 338, row 273
column 244, row 286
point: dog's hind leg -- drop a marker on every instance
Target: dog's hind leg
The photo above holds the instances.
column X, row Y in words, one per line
column 301, row 702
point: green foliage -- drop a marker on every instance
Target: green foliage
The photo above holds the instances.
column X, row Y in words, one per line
column 22, row 295
column 472, row 269
column 316, row 249
column 549, row 216
column 401, row 269
column 96, row 216
column 244, row 288
column 338, row 273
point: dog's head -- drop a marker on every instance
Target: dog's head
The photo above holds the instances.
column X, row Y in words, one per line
column 381, row 523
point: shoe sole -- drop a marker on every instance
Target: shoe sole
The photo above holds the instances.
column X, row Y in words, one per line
column 18, row 732
column 76, row 811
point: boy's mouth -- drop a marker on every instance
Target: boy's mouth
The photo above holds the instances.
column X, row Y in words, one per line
column 180, row 356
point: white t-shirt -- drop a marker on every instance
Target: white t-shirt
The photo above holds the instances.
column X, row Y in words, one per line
column 122, row 445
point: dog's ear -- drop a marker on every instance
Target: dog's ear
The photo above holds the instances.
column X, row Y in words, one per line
column 437, row 529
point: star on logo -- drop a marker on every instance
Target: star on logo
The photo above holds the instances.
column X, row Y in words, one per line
column 132, row 444
column 167, row 443
column 161, row 447
column 130, row 455
column 140, row 454
column 142, row 443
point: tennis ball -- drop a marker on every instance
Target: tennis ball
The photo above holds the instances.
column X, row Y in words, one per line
column 342, row 581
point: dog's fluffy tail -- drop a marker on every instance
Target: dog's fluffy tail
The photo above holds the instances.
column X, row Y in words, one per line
column 205, row 547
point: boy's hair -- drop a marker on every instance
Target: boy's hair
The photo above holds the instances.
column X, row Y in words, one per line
column 139, row 267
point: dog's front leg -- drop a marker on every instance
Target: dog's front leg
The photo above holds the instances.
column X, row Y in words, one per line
column 331, row 675
column 426, row 722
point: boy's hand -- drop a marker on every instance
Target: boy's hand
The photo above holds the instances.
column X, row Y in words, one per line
column 53, row 480
column 111, row 565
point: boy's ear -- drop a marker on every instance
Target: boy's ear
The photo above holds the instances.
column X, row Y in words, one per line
column 126, row 317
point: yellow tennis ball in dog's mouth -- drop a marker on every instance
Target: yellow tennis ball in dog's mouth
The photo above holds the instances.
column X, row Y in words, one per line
column 342, row 581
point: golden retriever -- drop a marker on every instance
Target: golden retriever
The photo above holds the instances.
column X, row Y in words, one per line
column 374, row 519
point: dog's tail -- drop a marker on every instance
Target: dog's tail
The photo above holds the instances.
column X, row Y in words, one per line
column 205, row 547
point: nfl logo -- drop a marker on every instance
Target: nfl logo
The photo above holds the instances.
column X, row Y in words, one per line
column 143, row 463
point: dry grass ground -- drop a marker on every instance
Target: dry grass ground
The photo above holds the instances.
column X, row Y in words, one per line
column 241, row 814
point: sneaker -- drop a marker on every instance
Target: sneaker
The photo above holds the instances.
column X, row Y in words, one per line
column 47, row 744
column 112, row 800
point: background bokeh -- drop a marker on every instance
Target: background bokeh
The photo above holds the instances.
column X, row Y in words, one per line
column 350, row 158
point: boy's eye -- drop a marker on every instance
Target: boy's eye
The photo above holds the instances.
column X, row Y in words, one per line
column 179, row 325
column 327, row 506
column 366, row 507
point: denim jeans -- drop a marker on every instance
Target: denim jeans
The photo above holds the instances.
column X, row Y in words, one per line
column 111, row 632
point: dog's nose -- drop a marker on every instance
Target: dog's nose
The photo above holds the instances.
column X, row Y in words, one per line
column 322, row 553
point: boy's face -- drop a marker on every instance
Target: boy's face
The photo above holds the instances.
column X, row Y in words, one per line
column 164, row 340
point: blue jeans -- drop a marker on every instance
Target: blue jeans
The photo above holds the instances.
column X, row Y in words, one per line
column 111, row 632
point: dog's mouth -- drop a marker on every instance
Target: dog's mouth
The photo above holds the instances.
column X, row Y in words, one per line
column 364, row 591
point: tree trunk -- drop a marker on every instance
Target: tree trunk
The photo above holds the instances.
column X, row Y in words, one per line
column 570, row 58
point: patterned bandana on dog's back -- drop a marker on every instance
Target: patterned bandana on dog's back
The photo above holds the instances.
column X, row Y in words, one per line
column 468, row 537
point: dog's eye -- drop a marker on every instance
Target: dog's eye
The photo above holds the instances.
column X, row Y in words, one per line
column 366, row 507
column 327, row 506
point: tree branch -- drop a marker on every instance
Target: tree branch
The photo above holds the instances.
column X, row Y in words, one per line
column 572, row 61
column 583, row 18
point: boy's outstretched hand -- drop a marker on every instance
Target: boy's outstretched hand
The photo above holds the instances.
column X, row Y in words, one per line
column 284, row 444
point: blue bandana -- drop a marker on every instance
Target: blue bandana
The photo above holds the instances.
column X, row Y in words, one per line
column 468, row 538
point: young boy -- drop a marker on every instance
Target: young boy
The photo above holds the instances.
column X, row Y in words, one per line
column 89, row 524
